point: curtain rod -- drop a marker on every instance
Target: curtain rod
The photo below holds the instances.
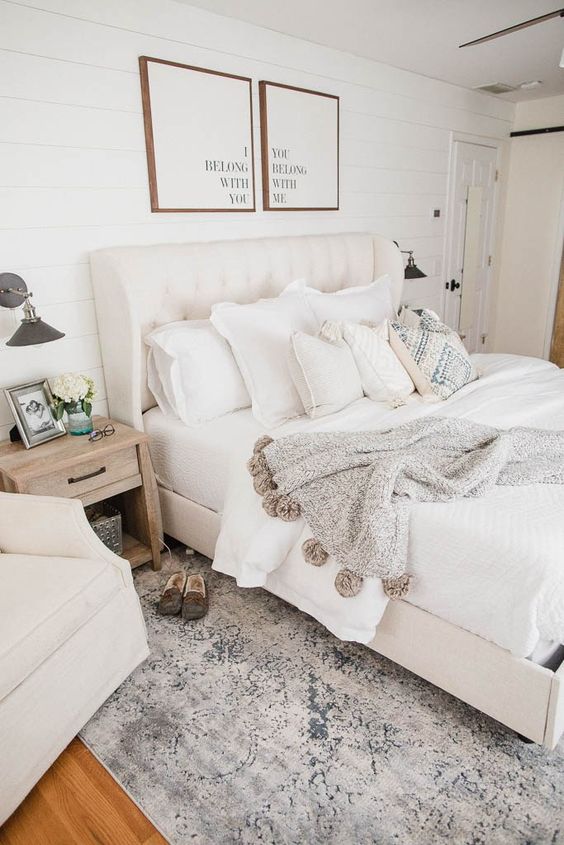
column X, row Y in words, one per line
column 544, row 131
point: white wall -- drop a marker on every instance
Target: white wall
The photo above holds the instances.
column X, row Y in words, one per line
column 72, row 159
column 532, row 236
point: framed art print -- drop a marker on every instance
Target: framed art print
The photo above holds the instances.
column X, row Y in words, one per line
column 31, row 406
column 299, row 148
column 199, row 138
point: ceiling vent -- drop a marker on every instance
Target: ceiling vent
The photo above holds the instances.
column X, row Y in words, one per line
column 495, row 88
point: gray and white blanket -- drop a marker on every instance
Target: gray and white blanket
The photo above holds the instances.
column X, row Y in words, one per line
column 355, row 489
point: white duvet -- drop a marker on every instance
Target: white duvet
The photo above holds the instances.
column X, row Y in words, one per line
column 494, row 566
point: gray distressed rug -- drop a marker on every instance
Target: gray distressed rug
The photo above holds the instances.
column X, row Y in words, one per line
column 257, row 725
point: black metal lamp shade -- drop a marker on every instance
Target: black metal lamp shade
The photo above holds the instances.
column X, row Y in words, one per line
column 33, row 331
column 412, row 271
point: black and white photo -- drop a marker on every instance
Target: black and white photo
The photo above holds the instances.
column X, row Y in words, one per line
column 31, row 406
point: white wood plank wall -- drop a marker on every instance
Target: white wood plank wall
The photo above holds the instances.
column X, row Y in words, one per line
column 72, row 157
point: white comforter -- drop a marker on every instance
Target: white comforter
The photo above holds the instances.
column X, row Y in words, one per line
column 494, row 566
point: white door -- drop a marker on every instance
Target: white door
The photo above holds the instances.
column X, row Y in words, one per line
column 470, row 240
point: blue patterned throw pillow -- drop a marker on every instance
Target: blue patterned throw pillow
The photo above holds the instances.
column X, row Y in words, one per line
column 432, row 353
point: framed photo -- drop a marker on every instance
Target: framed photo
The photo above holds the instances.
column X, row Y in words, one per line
column 199, row 137
column 31, row 406
column 299, row 148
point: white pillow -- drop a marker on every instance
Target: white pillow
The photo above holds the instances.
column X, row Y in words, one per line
column 383, row 377
column 259, row 335
column 192, row 372
column 324, row 373
column 156, row 385
column 371, row 302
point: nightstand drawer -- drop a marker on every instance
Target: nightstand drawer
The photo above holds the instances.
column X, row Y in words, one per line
column 86, row 476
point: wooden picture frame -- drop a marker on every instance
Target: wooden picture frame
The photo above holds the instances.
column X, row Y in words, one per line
column 199, row 138
column 300, row 135
column 31, row 406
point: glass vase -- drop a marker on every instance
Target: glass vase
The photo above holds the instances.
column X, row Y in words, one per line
column 78, row 421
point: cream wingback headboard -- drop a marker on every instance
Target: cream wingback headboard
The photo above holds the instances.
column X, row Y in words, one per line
column 137, row 288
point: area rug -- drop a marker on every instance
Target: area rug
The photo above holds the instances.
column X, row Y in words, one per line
column 255, row 725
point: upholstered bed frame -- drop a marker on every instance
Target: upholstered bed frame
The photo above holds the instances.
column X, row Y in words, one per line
column 139, row 288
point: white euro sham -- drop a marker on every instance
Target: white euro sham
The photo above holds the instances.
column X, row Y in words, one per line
column 259, row 335
column 371, row 302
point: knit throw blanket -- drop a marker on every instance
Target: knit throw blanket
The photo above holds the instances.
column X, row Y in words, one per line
column 355, row 489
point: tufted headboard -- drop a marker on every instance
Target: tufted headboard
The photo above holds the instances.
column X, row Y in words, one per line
column 137, row 288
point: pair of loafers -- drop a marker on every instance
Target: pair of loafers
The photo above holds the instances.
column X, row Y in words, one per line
column 184, row 594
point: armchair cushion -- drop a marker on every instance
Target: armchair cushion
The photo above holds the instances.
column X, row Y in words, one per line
column 43, row 601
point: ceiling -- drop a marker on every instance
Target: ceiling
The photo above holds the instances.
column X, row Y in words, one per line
column 423, row 35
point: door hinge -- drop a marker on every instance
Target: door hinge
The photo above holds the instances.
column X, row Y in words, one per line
column 483, row 338
column 489, row 261
column 496, row 176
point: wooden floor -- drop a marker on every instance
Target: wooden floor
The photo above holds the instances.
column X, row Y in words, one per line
column 78, row 803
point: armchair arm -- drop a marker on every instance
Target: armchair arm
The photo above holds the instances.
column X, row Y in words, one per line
column 50, row 526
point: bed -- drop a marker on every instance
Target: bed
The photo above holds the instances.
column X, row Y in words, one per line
column 140, row 288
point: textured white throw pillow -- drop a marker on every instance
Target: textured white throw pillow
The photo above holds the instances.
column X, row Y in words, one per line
column 259, row 335
column 383, row 377
column 371, row 302
column 192, row 372
column 324, row 373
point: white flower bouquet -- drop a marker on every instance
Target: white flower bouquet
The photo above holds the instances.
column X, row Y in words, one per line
column 70, row 390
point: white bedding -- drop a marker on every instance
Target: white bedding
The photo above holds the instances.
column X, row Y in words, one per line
column 494, row 566
column 194, row 461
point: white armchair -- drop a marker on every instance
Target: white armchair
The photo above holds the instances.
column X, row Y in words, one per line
column 71, row 630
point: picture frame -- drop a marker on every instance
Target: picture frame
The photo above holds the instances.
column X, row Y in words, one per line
column 199, row 138
column 31, row 405
column 299, row 148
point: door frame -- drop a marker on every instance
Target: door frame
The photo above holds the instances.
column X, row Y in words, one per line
column 500, row 146
column 554, row 282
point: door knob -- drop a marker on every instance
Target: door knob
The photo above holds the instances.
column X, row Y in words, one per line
column 454, row 285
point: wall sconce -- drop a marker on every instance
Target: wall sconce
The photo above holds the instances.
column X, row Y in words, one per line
column 412, row 271
column 13, row 293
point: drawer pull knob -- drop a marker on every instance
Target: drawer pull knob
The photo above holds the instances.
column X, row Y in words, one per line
column 88, row 475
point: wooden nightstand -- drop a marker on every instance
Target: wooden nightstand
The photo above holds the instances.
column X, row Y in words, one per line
column 76, row 468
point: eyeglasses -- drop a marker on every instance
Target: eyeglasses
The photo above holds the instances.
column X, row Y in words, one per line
column 99, row 433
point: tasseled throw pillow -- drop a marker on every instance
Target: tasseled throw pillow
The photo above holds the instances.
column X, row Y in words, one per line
column 432, row 353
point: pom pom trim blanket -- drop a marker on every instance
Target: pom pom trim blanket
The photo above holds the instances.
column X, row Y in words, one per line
column 354, row 488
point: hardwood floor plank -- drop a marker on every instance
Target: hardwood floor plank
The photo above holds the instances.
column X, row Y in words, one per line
column 154, row 839
column 77, row 802
column 119, row 799
column 82, row 807
column 35, row 821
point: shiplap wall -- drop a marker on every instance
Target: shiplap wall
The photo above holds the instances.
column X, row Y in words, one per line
column 72, row 158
